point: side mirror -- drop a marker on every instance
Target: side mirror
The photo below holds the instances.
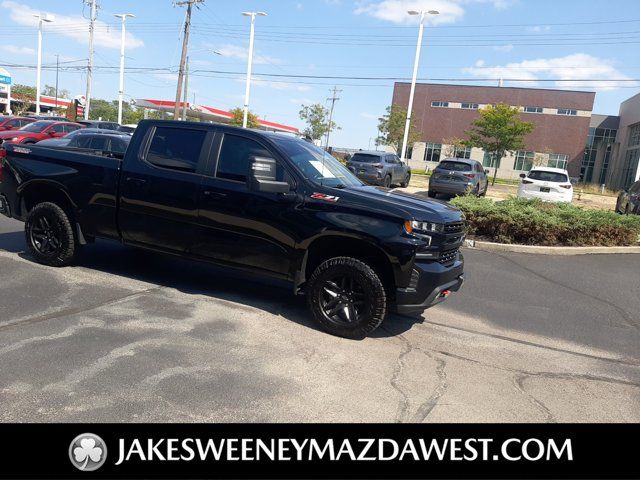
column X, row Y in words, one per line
column 522, row 175
column 262, row 176
column 486, row 171
column 51, row 133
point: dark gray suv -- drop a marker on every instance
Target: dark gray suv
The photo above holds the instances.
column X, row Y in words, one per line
column 629, row 200
column 379, row 168
column 458, row 176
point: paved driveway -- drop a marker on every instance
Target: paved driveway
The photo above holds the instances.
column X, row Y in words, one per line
column 136, row 336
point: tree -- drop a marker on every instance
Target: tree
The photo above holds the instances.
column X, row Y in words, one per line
column 20, row 90
column 50, row 91
column 317, row 118
column 238, row 116
column 391, row 127
column 103, row 110
column 498, row 130
column 452, row 145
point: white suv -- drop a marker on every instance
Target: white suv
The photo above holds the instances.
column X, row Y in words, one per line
column 547, row 184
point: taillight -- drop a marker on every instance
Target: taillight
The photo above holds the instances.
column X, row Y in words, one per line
column 378, row 166
column 565, row 186
column 526, row 181
column 469, row 175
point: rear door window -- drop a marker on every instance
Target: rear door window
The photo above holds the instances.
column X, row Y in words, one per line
column 455, row 166
column 100, row 143
column 365, row 158
column 548, row 176
column 176, row 148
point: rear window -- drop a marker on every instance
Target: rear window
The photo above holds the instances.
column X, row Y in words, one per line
column 548, row 176
column 455, row 166
column 364, row 158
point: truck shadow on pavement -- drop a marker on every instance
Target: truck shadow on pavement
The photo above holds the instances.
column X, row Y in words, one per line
column 200, row 278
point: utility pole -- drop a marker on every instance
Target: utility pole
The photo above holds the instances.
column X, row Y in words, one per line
column 333, row 102
column 186, row 86
column 123, row 17
column 57, row 66
column 183, row 57
column 92, row 20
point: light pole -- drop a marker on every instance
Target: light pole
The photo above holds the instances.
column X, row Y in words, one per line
column 123, row 17
column 249, row 61
column 423, row 14
column 42, row 17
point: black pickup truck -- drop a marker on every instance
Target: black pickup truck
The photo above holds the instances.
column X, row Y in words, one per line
column 264, row 202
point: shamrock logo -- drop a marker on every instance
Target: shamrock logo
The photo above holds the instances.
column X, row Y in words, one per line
column 87, row 452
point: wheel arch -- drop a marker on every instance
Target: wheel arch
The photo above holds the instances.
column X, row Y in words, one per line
column 39, row 191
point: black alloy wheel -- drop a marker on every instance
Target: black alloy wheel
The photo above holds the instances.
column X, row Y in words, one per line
column 45, row 235
column 387, row 181
column 342, row 300
column 50, row 236
column 347, row 297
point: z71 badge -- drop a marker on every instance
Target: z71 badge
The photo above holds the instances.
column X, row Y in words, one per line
column 326, row 198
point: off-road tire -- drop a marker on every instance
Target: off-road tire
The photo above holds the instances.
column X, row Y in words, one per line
column 432, row 194
column 407, row 179
column 65, row 253
column 374, row 299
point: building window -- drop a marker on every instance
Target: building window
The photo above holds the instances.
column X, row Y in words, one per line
column 533, row 109
column 440, row 104
column 598, row 138
column 524, row 161
column 558, row 160
column 489, row 160
column 469, row 106
column 630, row 166
column 567, row 111
column 432, row 152
column 634, row 136
column 462, row 152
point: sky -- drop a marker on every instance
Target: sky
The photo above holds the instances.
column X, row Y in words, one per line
column 304, row 48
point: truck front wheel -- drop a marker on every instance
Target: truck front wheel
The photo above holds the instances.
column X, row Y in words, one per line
column 49, row 235
column 347, row 297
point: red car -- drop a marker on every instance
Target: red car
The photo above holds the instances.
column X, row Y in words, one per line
column 14, row 123
column 39, row 130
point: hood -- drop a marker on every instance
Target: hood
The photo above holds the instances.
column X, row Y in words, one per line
column 4, row 134
column 406, row 205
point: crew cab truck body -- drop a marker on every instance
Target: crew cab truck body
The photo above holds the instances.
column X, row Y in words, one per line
column 259, row 201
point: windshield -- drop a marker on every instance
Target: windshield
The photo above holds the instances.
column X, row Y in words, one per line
column 35, row 127
column 317, row 165
column 366, row 158
column 455, row 166
column 548, row 176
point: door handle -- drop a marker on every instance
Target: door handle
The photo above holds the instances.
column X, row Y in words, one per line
column 137, row 181
column 211, row 194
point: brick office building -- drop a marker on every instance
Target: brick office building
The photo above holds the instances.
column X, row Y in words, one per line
column 441, row 112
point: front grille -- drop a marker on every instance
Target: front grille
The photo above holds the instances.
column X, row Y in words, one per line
column 448, row 256
column 456, row 227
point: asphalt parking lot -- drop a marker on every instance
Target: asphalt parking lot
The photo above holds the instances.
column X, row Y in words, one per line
column 137, row 336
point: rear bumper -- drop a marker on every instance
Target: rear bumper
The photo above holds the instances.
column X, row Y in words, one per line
column 450, row 188
column 546, row 196
column 429, row 286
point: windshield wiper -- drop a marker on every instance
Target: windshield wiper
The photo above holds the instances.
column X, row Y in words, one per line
column 340, row 185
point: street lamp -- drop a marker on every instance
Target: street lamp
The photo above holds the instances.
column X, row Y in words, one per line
column 249, row 61
column 423, row 14
column 123, row 17
column 42, row 17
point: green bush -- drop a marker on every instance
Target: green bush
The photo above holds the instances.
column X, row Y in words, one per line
column 532, row 222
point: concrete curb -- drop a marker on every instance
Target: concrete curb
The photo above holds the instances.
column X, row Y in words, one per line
column 535, row 249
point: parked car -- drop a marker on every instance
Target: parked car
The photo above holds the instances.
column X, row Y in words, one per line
column 57, row 118
column 458, row 176
column 101, row 124
column 260, row 201
column 127, row 128
column 629, row 200
column 14, row 123
column 39, row 130
column 379, row 168
column 64, row 141
column 113, row 143
column 546, row 183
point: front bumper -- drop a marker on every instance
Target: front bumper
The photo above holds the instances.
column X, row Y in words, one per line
column 429, row 281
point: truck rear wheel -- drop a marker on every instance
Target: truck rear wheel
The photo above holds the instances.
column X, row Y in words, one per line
column 50, row 236
column 347, row 297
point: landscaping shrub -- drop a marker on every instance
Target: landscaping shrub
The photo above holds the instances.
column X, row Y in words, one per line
column 532, row 222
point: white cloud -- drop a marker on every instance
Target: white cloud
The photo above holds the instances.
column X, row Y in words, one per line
column 242, row 53
column 12, row 49
column 573, row 69
column 396, row 10
column 369, row 116
column 72, row 26
column 539, row 28
column 167, row 77
column 503, row 48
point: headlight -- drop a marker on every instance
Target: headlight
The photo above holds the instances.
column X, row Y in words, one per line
column 426, row 227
